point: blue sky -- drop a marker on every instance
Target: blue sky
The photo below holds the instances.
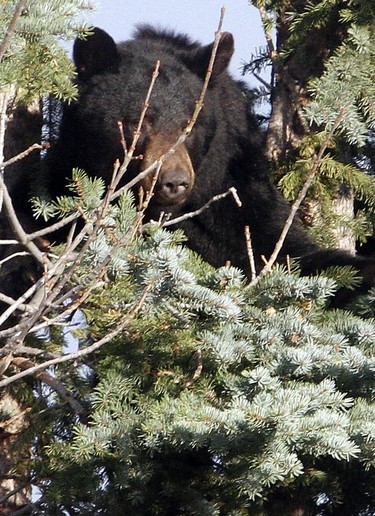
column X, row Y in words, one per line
column 198, row 18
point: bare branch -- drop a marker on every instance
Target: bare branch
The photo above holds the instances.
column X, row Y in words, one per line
column 14, row 255
column 17, row 228
column 17, row 304
column 53, row 382
column 200, row 101
column 54, row 227
column 302, row 194
column 12, row 27
column 259, row 78
column 16, row 490
column 10, row 301
column 137, row 133
column 267, row 33
column 85, row 351
column 231, row 191
column 8, row 242
column 250, row 254
column 22, row 155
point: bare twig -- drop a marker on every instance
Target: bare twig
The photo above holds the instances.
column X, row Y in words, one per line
column 22, row 155
column 14, row 255
column 12, row 27
column 137, row 133
column 54, row 227
column 200, row 101
column 266, row 84
column 16, row 490
column 8, row 242
column 10, row 301
column 250, row 254
column 27, row 351
column 18, row 303
column 4, row 99
column 191, row 214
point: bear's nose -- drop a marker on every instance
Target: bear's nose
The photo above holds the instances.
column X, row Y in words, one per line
column 173, row 186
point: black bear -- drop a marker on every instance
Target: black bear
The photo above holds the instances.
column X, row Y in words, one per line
column 224, row 149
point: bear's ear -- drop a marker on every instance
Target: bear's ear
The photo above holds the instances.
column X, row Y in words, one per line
column 96, row 54
column 200, row 61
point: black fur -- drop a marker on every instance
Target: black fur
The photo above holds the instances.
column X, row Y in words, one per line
column 225, row 146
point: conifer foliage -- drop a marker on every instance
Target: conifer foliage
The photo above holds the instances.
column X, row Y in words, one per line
column 191, row 391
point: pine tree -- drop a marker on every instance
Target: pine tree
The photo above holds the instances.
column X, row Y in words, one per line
column 322, row 79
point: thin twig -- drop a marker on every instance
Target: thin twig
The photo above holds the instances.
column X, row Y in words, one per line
column 22, row 155
column 230, row 191
column 54, row 227
column 266, row 84
column 9, row 242
column 18, row 303
column 28, row 351
column 4, row 99
column 10, row 301
column 250, row 254
column 14, row 255
column 200, row 101
column 12, row 27
column 18, row 489
column 137, row 133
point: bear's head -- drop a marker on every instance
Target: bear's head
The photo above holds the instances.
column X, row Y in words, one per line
column 113, row 81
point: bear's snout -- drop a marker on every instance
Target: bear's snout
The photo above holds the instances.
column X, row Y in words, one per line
column 176, row 175
column 173, row 186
